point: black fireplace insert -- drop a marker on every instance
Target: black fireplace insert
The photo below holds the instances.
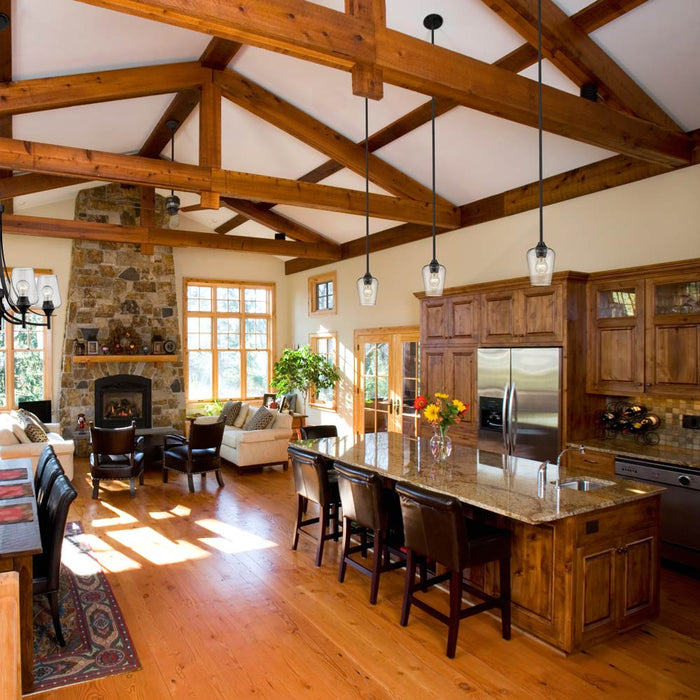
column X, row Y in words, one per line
column 122, row 398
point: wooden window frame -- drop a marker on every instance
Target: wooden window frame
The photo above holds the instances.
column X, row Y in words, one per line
column 313, row 299
column 270, row 288
column 313, row 343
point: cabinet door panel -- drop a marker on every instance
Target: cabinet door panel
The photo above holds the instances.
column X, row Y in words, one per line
column 463, row 382
column 498, row 317
column 616, row 360
column 598, row 610
column 434, row 320
column 532, row 569
column 639, row 579
column 465, row 318
column 542, row 314
column 675, row 364
column 433, row 370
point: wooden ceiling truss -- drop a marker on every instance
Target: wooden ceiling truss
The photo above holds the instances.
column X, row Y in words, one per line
column 627, row 122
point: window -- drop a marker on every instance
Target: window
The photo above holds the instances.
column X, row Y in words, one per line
column 229, row 331
column 325, row 344
column 25, row 363
column 322, row 290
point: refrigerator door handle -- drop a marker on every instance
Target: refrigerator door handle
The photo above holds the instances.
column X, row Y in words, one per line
column 513, row 418
column 504, row 417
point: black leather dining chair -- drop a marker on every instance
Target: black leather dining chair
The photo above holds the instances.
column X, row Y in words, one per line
column 435, row 528
column 114, row 456
column 51, row 470
column 52, row 515
column 369, row 508
column 315, row 432
column 314, row 481
column 46, row 454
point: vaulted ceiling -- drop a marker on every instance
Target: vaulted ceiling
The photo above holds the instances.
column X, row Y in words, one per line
column 268, row 99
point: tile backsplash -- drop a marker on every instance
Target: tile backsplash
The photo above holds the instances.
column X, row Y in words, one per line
column 671, row 412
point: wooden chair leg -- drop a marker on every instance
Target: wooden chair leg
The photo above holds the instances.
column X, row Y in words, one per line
column 504, row 584
column 455, row 609
column 141, row 478
column 346, row 545
column 165, row 475
column 376, row 566
column 95, row 487
column 190, row 483
column 132, row 487
column 219, row 478
column 408, row 587
column 323, row 526
column 301, row 509
column 53, row 602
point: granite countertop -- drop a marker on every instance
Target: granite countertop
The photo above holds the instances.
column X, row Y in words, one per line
column 629, row 448
column 487, row 480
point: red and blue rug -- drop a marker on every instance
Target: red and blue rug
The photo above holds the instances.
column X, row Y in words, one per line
column 97, row 640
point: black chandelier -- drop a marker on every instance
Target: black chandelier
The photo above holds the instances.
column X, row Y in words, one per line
column 20, row 292
column 540, row 259
column 172, row 203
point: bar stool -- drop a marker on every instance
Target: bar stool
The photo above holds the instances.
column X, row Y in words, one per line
column 314, row 432
column 369, row 506
column 435, row 528
column 313, row 481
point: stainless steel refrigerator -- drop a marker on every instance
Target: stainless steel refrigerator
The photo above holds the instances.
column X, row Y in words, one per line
column 519, row 401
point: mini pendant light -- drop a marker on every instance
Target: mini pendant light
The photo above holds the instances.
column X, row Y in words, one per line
column 433, row 272
column 540, row 259
column 367, row 285
column 172, row 203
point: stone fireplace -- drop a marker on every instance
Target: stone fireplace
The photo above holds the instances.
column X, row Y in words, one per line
column 115, row 287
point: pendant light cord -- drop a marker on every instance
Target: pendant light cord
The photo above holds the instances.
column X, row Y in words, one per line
column 539, row 110
column 432, row 121
column 367, row 182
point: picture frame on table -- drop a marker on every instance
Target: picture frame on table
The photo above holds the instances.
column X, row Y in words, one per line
column 157, row 347
column 268, row 399
column 288, row 402
column 93, row 347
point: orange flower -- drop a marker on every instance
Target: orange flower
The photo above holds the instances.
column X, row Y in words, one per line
column 420, row 403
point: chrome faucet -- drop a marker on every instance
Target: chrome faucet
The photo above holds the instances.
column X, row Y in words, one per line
column 580, row 448
column 541, row 478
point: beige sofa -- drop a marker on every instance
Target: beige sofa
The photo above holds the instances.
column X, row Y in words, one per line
column 14, row 445
column 248, row 449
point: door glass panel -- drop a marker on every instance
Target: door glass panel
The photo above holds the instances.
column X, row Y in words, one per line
column 617, row 303
column 376, row 382
column 677, row 298
column 410, row 387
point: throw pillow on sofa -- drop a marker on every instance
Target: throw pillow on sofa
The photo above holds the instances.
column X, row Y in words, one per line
column 30, row 417
column 230, row 415
column 242, row 416
column 34, row 432
column 260, row 419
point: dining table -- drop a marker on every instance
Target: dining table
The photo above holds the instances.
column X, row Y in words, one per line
column 20, row 540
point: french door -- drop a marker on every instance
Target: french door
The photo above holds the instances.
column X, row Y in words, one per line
column 387, row 379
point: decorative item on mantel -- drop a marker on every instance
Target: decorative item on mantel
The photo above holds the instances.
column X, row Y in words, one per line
column 621, row 417
column 125, row 341
column 441, row 414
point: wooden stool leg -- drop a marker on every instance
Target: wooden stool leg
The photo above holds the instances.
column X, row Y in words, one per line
column 323, row 526
column 376, row 565
column 346, row 545
column 408, row 586
column 301, row 508
column 455, row 609
column 132, row 487
column 95, row 487
column 219, row 478
column 190, row 483
column 53, row 601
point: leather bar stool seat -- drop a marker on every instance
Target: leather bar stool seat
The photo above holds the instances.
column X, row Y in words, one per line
column 435, row 528
column 369, row 507
column 315, row 432
column 313, row 481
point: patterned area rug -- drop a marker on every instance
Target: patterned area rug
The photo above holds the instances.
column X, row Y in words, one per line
column 97, row 641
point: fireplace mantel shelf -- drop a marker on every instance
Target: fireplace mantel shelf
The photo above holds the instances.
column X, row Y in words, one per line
column 123, row 358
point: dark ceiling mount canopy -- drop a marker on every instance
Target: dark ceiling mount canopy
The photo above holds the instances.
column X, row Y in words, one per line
column 172, row 203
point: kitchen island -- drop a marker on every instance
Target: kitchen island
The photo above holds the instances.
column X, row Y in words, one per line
column 585, row 564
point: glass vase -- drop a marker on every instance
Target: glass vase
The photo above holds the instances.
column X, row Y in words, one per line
column 440, row 444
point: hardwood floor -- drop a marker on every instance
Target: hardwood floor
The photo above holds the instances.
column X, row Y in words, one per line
column 220, row 607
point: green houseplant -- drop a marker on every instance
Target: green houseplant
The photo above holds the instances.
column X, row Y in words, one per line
column 303, row 370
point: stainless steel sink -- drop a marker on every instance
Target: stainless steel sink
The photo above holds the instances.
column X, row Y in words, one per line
column 583, row 484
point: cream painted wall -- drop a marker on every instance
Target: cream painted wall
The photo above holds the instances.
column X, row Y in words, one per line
column 653, row 221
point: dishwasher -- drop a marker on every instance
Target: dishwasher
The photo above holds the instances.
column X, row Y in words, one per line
column 680, row 506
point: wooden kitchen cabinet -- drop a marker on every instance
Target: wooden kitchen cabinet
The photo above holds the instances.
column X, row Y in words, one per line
column 598, row 463
column 644, row 333
column 453, row 318
column 530, row 315
column 452, row 371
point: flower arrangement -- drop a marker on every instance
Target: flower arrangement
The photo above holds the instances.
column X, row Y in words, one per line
column 442, row 412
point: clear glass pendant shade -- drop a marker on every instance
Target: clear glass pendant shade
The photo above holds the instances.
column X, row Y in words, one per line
column 434, row 279
column 49, row 296
column 23, row 292
column 540, row 263
column 367, row 287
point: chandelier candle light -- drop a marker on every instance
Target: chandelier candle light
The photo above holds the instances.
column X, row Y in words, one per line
column 20, row 292
column 441, row 414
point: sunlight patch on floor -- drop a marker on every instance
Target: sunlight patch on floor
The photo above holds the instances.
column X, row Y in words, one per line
column 105, row 556
column 231, row 539
column 156, row 548
column 121, row 517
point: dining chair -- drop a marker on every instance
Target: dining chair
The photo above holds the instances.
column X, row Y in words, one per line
column 435, row 528
column 315, row 432
column 46, row 454
column 197, row 454
column 114, row 456
column 369, row 508
column 49, row 473
column 314, row 481
column 52, row 515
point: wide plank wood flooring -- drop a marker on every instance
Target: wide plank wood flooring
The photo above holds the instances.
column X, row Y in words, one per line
column 219, row 606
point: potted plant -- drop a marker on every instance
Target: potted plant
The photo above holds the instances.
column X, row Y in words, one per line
column 303, row 370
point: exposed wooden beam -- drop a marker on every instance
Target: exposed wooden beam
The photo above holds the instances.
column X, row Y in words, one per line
column 334, row 38
column 273, row 109
column 275, row 221
column 571, row 49
column 367, row 78
column 19, row 185
column 98, row 165
column 69, row 90
column 219, row 53
column 84, row 230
